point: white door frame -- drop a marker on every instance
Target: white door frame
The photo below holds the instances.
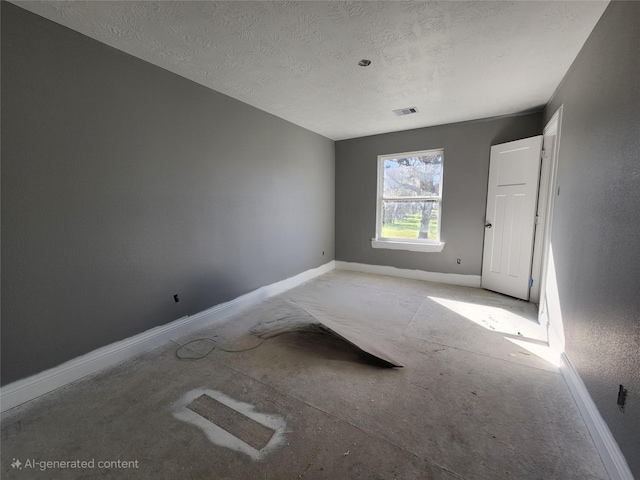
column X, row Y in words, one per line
column 544, row 210
column 546, row 199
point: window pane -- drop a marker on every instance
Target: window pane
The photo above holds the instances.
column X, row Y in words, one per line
column 413, row 176
column 411, row 220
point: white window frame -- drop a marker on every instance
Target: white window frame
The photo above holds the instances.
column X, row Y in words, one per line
column 415, row 245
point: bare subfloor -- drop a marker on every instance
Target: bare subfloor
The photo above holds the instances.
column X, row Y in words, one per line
column 280, row 398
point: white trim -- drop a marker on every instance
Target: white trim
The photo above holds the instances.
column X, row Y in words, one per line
column 411, row 246
column 449, row 278
column 544, row 210
column 32, row 387
column 556, row 344
column 612, row 457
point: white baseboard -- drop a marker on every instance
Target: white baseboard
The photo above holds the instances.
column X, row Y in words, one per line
column 612, row 457
column 32, row 387
column 449, row 278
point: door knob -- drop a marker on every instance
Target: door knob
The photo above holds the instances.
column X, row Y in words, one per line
column 488, row 225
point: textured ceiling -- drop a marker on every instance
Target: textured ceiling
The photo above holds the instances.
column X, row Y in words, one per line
column 298, row 60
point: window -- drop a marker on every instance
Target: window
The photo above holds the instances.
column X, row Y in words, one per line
column 409, row 199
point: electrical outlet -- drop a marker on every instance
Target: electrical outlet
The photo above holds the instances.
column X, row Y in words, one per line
column 622, row 398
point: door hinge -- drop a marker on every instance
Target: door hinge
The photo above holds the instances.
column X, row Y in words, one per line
column 536, row 220
column 543, row 154
column 531, row 282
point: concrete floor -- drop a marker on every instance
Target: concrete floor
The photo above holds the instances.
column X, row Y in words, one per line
column 474, row 400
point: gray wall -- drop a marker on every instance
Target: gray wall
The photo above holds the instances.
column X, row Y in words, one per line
column 123, row 184
column 596, row 225
column 466, row 171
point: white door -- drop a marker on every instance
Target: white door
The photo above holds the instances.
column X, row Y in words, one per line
column 512, row 196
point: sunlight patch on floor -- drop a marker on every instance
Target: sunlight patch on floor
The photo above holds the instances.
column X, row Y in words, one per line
column 540, row 350
column 493, row 318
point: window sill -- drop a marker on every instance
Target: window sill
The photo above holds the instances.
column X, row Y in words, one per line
column 411, row 246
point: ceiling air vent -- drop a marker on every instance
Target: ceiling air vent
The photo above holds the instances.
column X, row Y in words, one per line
column 405, row 111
